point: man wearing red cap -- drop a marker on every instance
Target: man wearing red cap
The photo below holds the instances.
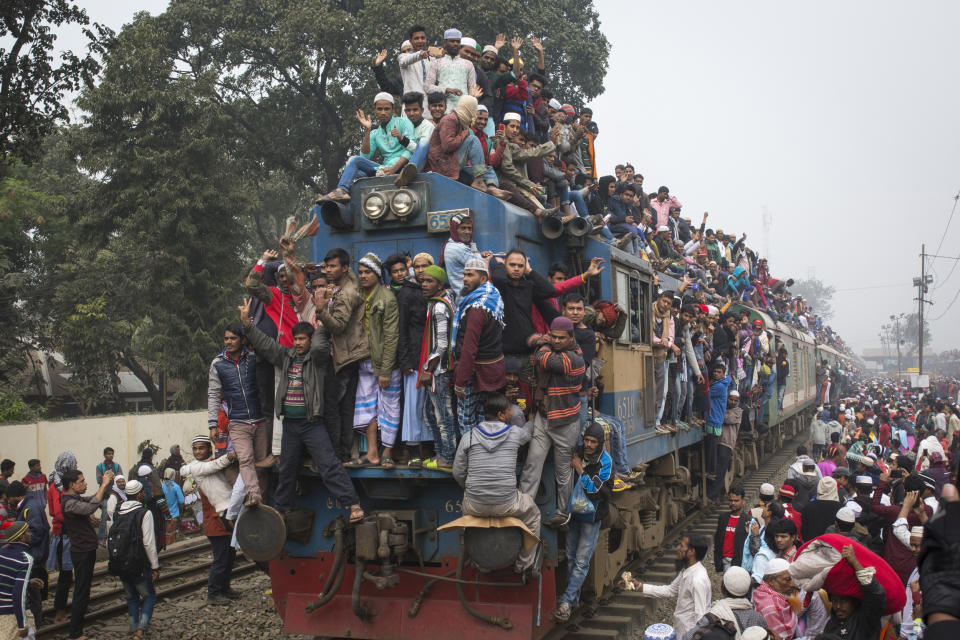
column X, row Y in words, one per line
column 787, row 494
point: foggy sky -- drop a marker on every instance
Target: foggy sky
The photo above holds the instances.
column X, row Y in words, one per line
column 841, row 118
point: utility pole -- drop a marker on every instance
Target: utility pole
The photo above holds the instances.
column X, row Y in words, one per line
column 922, row 288
column 897, row 319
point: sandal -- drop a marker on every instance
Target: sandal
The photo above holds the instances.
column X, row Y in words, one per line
column 415, row 463
column 359, row 463
column 387, row 463
column 356, row 514
column 434, row 465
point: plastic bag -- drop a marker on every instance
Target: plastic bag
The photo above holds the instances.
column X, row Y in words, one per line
column 581, row 506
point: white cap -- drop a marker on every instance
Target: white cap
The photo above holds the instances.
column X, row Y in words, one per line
column 132, row 488
column 855, row 507
column 737, row 581
column 846, row 514
column 468, row 42
column 476, row 264
column 452, row 34
column 663, row 227
column 766, row 489
column 405, row 43
column 916, row 532
column 864, row 480
column 734, row 394
column 754, row 633
column 482, row 107
column 554, row 104
column 491, row 49
column 510, row 115
column 383, row 96
column 775, row 566
column 143, row 470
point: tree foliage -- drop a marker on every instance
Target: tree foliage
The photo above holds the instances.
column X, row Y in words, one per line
column 32, row 85
column 819, row 296
column 910, row 333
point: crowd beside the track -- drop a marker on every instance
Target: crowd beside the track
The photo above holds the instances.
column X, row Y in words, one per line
column 860, row 541
column 453, row 362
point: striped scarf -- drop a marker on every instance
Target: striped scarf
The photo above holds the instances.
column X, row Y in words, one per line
column 484, row 297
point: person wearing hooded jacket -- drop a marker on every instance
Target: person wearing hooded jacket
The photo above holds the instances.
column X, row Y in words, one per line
column 595, row 469
column 485, row 466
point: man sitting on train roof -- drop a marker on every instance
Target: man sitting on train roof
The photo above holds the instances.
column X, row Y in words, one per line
column 384, row 134
column 512, row 169
column 486, row 467
column 419, row 143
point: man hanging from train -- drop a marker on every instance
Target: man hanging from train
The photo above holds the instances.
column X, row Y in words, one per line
column 521, row 288
column 383, row 134
column 299, row 399
column 477, row 343
column 378, row 386
column 558, row 378
column 433, row 369
column 340, row 309
column 486, row 467
column 594, row 473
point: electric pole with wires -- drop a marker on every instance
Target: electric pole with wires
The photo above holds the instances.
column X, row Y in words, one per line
column 922, row 284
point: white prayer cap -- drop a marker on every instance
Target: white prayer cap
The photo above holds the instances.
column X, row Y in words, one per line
column 452, row 34
column 916, row 532
column 132, row 488
column 864, row 480
column 659, row 631
column 737, row 581
column 383, row 95
column 846, row 515
column 143, row 470
column 663, row 227
column 555, row 104
column 754, row 633
column 476, row 264
column 483, row 108
column 406, row 43
column 511, row 115
column 468, row 42
column 491, row 49
column 766, row 489
column 775, row 566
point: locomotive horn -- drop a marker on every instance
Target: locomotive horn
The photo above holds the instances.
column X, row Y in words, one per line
column 579, row 227
column 552, row 227
column 335, row 214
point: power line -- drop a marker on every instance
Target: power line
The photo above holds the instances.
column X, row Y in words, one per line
column 878, row 286
column 955, row 296
column 953, row 210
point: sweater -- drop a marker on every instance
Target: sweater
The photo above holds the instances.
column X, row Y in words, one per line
column 16, row 563
column 486, row 461
column 559, row 380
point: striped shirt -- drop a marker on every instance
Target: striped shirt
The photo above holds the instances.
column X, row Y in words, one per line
column 559, row 381
column 15, row 566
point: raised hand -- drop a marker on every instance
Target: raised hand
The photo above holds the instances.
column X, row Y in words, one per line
column 269, row 254
column 396, row 133
column 244, row 310
column 596, row 266
column 381, row 57
column 535, row 41
column 476, row 91
column 516, row 43
column 364, row 121
column 500, row 41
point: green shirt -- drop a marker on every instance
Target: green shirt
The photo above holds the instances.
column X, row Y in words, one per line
column 383, row 141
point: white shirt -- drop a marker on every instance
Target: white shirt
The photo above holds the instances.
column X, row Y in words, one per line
column 210, row 480
column 413, row 72
column 691, row 588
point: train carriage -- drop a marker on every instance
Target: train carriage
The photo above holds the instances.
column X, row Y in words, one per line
column 396, row 575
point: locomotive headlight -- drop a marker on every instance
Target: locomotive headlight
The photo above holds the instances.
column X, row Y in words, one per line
column 374, row 206
column 404, row 203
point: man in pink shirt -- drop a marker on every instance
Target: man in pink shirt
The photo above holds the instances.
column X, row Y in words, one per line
column 662, row 205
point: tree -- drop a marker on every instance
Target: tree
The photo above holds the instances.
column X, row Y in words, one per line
column 32, row 87
column 817, row 294
column 910, row 333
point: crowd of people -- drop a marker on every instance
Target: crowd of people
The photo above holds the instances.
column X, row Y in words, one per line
column 881, row 472
column 453, row 362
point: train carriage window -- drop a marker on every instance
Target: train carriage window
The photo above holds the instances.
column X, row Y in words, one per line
column 633, row 295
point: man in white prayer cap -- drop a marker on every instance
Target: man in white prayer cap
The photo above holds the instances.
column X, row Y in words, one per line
column 450, row 74
column 382, row 134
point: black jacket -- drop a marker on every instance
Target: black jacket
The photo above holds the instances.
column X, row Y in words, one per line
column 817, row 516
column 518, row 299
column 739, row 537
column 864, row 622
column 412, row 307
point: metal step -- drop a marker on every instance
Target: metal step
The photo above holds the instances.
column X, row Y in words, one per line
column 593, row 634
column 623, row 624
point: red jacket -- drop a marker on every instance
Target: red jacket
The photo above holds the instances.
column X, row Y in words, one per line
column 570, row 284
column 213, row 525
column 54, row 497
column 282, row 311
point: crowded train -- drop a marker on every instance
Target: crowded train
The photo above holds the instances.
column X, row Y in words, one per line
column 497, row 368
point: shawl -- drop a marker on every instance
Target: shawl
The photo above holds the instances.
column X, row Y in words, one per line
column 65, row 461
column 484, row 297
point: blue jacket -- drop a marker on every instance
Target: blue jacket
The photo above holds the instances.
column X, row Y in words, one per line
column 31, row 511
column 718, row 404
column 237, row 382
column 595, row 481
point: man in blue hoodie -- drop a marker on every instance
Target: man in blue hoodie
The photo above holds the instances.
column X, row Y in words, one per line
column 719, row 388
column 595, row 467
column 486, row 467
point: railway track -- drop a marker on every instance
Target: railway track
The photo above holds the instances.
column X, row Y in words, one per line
column 183, row 570
column 623, row 615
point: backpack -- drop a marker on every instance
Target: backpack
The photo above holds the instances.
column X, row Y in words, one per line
column 715, row 629
column 127, row 557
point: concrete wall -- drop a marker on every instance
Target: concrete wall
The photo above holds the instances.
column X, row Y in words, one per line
column 86, row 438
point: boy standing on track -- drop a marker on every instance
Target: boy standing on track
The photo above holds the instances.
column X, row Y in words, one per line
column 134, row 520
column 83, row 539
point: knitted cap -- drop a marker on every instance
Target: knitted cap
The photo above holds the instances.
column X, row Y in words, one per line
column 133, row 488
column 372, row 261
column 436, row 272
column 476, row 264
column 13, row 531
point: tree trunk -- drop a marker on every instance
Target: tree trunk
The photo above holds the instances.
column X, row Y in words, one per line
column 143, row 376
